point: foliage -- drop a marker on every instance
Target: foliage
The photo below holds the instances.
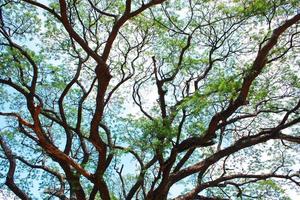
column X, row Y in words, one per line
column 137, row 99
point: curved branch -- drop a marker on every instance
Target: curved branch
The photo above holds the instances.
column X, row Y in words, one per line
column 10, row 174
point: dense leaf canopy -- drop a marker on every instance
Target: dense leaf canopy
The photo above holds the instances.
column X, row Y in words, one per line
column 149, row 99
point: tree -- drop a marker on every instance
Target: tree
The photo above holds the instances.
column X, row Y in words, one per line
column 131, row 99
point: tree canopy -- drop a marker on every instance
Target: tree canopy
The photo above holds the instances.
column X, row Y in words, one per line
column 149, row 99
